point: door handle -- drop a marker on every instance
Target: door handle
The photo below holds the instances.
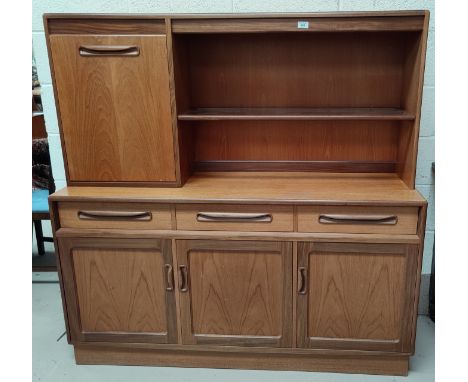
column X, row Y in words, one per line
column 358, row 219
column 302, row 281
column 183, row 278
column 169, row 277
column 114, row 215
column 234, row 217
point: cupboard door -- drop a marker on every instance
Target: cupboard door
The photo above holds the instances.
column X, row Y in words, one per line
column 235, row 292
column 115, row 110
column 119, row 289
column 356, row 296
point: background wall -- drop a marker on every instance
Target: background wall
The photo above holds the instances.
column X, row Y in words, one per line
column 424, row 177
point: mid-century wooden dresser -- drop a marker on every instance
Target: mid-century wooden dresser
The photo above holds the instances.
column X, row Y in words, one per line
column 240, row 188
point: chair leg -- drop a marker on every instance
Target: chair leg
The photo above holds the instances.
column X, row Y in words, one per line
column 39, row 237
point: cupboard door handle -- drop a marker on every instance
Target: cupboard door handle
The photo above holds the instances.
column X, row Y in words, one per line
column 303, row 281
column 169, row 277
column 358, row 219
column 234, row 217
column 109, row 50
column 114, row 215
column 183, row 281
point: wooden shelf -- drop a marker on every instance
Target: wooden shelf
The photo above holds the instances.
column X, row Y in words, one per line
column 261, row 187
column 217, row 114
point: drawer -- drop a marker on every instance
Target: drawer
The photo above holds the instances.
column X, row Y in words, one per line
column 114, row 215
column 205, row 217
column 352, row 219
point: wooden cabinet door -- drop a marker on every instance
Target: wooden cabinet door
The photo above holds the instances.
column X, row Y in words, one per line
column 356, row 296
column 119, row 289
column 235, row 292
column 114, row 106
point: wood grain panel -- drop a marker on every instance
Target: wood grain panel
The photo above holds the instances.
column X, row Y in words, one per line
column 115, row 110
column 316, row 24
column 107, row 25
column 358, row 296
column 263, row 188
column 296, row 166
column 285, row 70
column 311, row 140
column 281, row 218
column 406, row 219
column 160, row 215
column 240, row 293
column 413, row 89
column 120, row 290
column 243, row 235
column 369, row 364
column 116, row 289
column 235, row 294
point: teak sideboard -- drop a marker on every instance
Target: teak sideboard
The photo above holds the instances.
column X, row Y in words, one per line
column 240, row 188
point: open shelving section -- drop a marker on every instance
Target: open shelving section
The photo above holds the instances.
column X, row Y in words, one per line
column 342, row 96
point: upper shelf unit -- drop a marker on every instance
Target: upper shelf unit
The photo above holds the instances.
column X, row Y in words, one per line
column 328, row 92
column 336, row 92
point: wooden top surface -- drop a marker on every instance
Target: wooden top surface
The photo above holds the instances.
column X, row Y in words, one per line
column 265, row 187
column 418, row 12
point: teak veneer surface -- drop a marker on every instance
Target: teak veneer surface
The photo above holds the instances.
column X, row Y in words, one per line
column 234, row 187
column 312, row 141
column 405, row 219
column 291, row 113
column 102, row 355
column 239, row 293
column 114, row 109
column 279, row 218
column 120, row 290
column 159, row 216
column 295, row 70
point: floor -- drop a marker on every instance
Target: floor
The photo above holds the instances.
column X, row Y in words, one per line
column 53, row 357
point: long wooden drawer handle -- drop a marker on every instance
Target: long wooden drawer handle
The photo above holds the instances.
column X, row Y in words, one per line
column 114, row 215
column 358, row 219
column 234, row 217
column 109, row 50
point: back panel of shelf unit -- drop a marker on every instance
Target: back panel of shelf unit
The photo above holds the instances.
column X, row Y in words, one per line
column 296, row 70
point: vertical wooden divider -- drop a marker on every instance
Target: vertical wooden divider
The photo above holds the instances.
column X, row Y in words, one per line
column 294, row 286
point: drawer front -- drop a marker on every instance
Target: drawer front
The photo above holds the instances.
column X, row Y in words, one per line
column 350, row 219
column 203, row 217
column 115, row 215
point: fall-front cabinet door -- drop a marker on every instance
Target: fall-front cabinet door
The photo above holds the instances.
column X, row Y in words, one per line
column 356, row 296
column 235, row 292
column 119, row 289
column 114, row 106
